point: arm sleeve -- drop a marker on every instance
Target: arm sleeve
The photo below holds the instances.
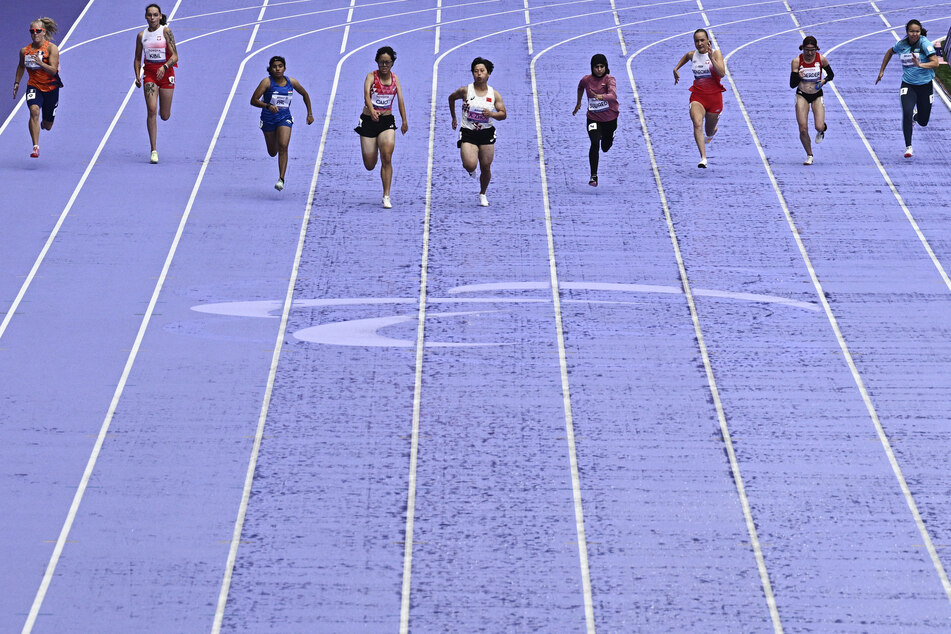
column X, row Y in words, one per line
column 794, row 79
column 829, row 74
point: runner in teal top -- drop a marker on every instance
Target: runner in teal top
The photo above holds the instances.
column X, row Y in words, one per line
column 918, row 60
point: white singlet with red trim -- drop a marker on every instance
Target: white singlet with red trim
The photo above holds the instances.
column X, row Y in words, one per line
column 155, row 46
column 472, row 107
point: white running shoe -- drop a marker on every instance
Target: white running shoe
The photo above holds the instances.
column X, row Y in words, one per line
column 386, row 203
column 702, row 163
column 483, row 201
column 808, row 160
column 153, row 159
column 36, row 152
column 279, row 185
column 909, row 152
column 821, row 135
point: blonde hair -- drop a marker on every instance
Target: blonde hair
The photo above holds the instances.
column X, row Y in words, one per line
column 49, row 24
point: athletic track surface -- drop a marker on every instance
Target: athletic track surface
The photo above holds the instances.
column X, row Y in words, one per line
column 688, row 400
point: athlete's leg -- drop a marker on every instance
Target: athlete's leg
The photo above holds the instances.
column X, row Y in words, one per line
column 387, row 142
column 908, row 100
column 802, row 118
column 368, row 148
column 594, row 134
column 151, row 107
column 925, row 98
column 697, row 115
column 34, row 124
column 165, row 102
column 486, row 154
column 608, row 129
column 283, row 134
column 270, row 139
column 470, row 156
column 819, row 114
column 710, row 123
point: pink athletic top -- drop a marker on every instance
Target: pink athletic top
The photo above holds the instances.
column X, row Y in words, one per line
column 382, row 95
column 600, row 109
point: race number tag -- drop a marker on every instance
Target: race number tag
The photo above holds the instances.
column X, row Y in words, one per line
column 155, row 54
column 597, row 105
column 908, row 59
column 281, row 101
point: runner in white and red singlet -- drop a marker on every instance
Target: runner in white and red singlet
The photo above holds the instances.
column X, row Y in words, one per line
column 706, row 93
column 481, row 105
column 157, row 45
column 377, row 127
column 808, row 78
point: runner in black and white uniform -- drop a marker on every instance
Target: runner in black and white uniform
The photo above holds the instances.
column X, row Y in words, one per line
column 807, row 78
column 482, row 105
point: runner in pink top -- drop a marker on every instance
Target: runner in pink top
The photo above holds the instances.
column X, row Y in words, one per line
column 603, row 110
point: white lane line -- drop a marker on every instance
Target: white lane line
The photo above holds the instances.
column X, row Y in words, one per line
column 938, row 89
column 843, row 346
column 528, row 29
column 563, row 367
column 620, row 34
column 62, row 43
column 438, row 27
column 346, row 30
column 257, row 25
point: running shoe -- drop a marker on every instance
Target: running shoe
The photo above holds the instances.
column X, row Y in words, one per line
column 594, row 180
column 386, row 203
column 154, row 158
column 707, row 139
column 822, row 135
column 279, row 185
column 702, row 163
column 808, row 160
column 36, row 152
column 909, row 152
column 472, row 174
column 483, row 201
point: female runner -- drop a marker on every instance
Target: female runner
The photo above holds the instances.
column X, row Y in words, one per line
column 377, row 127
column 806, row 77
column 276, row 120
column 161, row 58
column 481, row 104
column 706, row 93
column 603, row 110
column 916, row 77
column 41, row 60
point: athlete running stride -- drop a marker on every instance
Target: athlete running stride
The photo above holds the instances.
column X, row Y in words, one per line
column 273, row 95
column 481, row 104
column 807, row 78
column 917, row 91
column 377, row 127
column 706, row 93
column 157, row 44
column 601, row 90
column 41, row 60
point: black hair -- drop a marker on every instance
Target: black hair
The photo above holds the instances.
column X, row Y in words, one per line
column 489, row 66
column 385, row 50
column 924, row 31
column 164, row 19
column 599, row 58
column 276, row 58
column 704, row 31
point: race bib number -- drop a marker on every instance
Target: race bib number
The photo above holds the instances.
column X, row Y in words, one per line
column 155, row 54
column 701, row 69
column 281, row 101
column 30, row 61
column 597, row 105
column 382, row 102
column 812, row 73
column 31, row 93
column 908, row 59
column 476, row 115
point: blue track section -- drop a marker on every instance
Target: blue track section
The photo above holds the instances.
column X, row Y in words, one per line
column 733, row 418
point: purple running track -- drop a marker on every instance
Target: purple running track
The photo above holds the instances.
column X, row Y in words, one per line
column 749, row 438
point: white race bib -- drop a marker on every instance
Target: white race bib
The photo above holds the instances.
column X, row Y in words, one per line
column 597, row 105
column 382, row 102
column 701, row 68
column 281, row 101
column 908, row 59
